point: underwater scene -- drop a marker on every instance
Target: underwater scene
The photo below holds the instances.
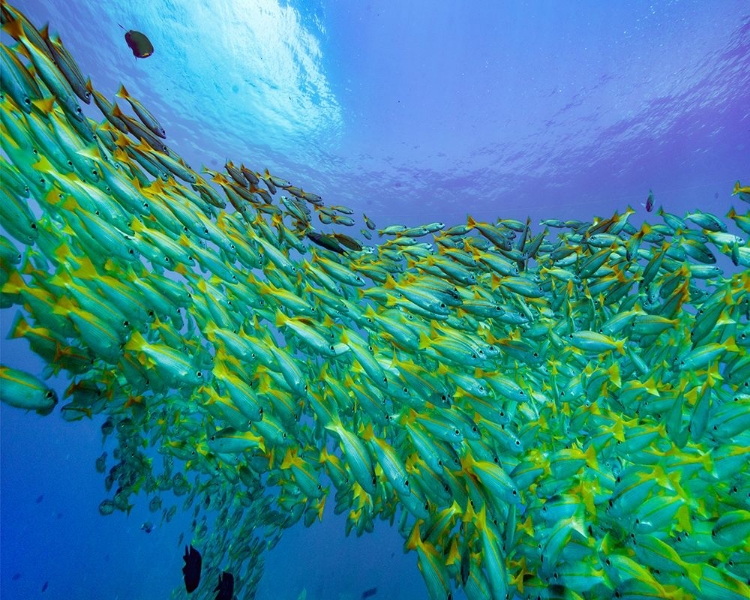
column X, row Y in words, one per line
column 400, row 300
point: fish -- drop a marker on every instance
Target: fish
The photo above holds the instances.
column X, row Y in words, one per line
column 23, row 390
column 225, row 587
column 143, row 114
column 191, row 571
column 138, row 43
column 553, row 407
column 649, row 201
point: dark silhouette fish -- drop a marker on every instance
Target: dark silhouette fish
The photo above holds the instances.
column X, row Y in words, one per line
column 370, row 592
column 138, row 43
column 225, row 587
column 192, row 568
column 650, row 201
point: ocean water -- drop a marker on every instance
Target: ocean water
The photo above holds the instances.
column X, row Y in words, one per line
column 411, row 113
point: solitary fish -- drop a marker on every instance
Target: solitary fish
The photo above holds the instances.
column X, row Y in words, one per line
column 650, row 201
column 192, row 568
column 138, row 43
column 225, row 587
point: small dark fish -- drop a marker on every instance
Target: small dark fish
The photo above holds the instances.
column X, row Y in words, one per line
column 148, row 527
column 16, row 577
column 225, row 587
column 39, row 499
column 325, row 241
column 650, row 201
column 370, row 592
column 45, row 586
column 138, row 43
column 347, row 241
column 192, row 568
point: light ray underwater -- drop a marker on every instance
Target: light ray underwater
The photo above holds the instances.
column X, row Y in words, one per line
column 552, row 410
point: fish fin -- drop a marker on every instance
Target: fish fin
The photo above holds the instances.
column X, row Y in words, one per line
column 45, row 105
column 19, row 327
column 14, row 29
column 289, row 459
column 424, row 341
column 415, row 538
column 91, row 152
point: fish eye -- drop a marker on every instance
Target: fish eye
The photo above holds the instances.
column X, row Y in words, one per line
column 456, row 432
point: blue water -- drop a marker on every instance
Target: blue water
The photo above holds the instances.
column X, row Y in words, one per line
column 411, row 112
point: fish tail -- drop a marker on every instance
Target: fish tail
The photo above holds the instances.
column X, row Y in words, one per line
column 20, row 326
column 15, row 30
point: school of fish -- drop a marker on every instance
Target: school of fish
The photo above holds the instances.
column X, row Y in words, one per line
column 541, row 416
